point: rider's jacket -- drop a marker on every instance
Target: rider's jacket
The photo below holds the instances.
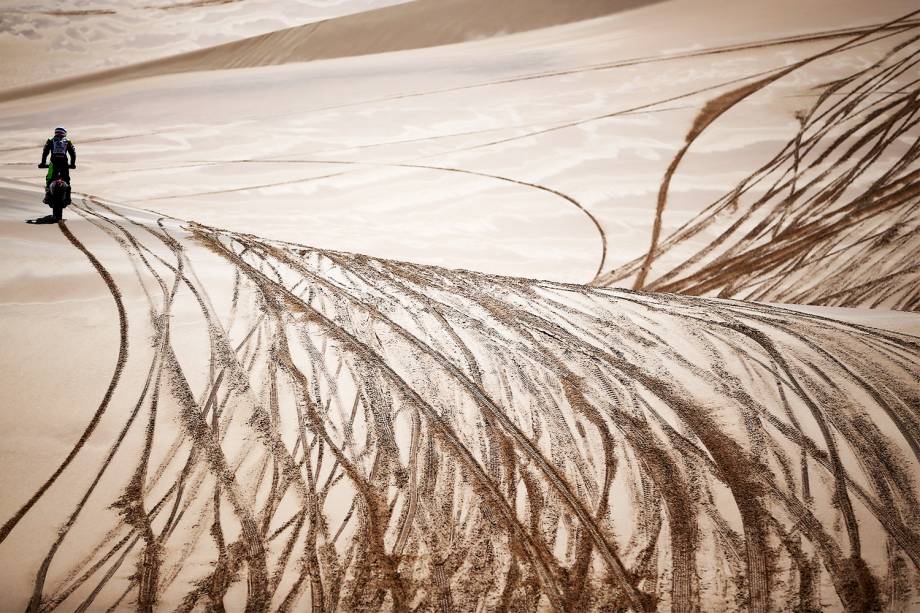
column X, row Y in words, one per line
column 58, row 148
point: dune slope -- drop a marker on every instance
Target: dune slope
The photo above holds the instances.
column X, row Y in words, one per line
column 359, row 433
column 413, row 25
column 202, row 411
column 832, row 218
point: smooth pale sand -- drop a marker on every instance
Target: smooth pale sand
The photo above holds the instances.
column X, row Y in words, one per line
column 483, row 440
column 104, row 34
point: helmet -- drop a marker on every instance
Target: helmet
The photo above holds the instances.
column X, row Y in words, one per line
column 60, row 130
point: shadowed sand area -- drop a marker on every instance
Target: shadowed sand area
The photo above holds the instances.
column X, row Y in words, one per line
column 459, row 306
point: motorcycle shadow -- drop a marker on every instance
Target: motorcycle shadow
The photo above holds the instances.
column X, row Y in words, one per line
column 44, row 220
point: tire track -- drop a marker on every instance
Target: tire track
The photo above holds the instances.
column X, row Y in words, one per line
column 719, row 106
column 602, row 235
column 382, row 434
column 858, row 251
column 120, row 362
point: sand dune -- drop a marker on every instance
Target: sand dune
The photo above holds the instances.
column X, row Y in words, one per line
column 412, row 25
column 531, row 322
column 103, row 34
column 365, row 434
column 477, row 151
column 809, row 226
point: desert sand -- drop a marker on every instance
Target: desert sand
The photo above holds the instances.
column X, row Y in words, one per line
column 450, row 306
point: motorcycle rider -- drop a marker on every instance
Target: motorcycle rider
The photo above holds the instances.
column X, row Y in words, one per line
column 58, row 147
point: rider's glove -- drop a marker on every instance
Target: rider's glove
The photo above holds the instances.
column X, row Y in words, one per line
column 43, row 166
column 73, row 165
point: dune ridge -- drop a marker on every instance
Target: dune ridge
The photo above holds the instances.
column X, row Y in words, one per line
column 412, row 25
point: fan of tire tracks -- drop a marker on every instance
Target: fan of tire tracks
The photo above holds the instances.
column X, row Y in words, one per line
column 376, row 435
column 832, row 219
